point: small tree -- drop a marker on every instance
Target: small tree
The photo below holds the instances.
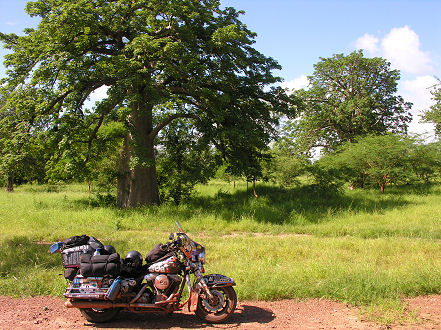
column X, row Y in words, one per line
column 381, row 159
column 433, row 115
column 75, row 158
column 425, row 161
column 185, row 158
column 21, row 147
column 285, row 165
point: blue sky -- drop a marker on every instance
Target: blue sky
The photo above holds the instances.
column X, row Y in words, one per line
column 298, row 32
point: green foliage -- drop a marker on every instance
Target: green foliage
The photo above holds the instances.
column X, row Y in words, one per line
column 382, row 159
column 96, row 162
column 284, row 167
column 433, row 115
column 23, row 150
column 223, row 175
column 184, row 159
column 348, row 97
column 425, row 162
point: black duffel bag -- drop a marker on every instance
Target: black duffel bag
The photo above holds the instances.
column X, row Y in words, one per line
column 158, row 252
column 82, row 240
column 100, row 265
column 75, row 241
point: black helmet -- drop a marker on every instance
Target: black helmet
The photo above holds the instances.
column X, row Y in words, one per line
column 133, row 259
column 109, row 249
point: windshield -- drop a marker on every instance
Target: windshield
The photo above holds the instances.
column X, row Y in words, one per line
column 179, row 227
column 190, row 248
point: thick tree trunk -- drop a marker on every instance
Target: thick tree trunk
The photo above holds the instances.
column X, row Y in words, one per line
column 123, row 185
column 137, row 181
column 10, row 183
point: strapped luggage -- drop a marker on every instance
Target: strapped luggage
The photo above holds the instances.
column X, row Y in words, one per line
column 75, row 246
column 76, row 241
column 100, row 265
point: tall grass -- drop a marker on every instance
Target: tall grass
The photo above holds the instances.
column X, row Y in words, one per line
column 360, row 247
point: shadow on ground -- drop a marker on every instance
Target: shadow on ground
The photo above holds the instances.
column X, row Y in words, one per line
column 280, row 205
column 277, row 205
column 245, row 314
column 22, row 253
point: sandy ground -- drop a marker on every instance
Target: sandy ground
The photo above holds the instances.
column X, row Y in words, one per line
column 50, row 313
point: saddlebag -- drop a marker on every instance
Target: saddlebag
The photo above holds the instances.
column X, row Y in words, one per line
column 70, row 273
column 100, row 265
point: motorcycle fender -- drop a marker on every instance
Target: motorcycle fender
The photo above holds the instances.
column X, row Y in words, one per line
column 218, row 280
column 212, row 281
column 193, row 304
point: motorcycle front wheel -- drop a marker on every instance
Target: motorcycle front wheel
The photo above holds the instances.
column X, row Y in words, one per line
column 219, row 310
column 99, row 315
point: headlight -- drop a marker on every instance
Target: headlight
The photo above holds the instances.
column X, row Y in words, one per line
column 201, row 257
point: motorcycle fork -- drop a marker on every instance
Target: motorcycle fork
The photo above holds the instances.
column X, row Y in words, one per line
column 199, row 289
column 211, row 299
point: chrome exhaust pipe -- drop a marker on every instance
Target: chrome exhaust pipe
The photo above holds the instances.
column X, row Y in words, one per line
column 98, row 304
column 89, row 304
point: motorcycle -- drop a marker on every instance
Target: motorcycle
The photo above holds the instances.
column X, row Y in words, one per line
column 101, row 284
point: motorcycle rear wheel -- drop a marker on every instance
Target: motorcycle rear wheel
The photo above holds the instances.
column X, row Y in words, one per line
column 219, row 312
column 99, row 315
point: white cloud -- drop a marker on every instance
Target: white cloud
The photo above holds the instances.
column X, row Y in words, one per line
column 402, row 47
column 96, row 96
column 417, row 91
column 99, row 94
column 297, row 83
column 367, row 42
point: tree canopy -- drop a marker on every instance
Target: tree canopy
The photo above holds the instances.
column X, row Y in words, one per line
column 349, row 97
column 161, row 60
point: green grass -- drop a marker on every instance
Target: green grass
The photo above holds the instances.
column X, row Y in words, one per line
column 359, row 247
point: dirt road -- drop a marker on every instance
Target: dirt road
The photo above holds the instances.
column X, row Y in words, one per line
column 50, row 313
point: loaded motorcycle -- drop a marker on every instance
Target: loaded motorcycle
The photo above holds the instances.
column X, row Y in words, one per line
column 101, row 283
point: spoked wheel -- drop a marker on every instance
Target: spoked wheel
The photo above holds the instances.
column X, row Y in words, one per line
column 221, row 308
column 99, row 315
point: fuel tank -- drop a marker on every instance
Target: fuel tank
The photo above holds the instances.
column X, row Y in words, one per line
column 171, row 265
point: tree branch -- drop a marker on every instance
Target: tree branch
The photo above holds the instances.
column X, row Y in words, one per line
column 93, row 136
column 168, row 120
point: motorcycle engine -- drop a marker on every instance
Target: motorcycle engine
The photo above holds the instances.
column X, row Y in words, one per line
column 162, row 282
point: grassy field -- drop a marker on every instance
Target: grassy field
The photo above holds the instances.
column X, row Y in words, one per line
column 358, row 247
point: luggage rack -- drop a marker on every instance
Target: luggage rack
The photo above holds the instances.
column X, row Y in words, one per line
column 87, row 288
